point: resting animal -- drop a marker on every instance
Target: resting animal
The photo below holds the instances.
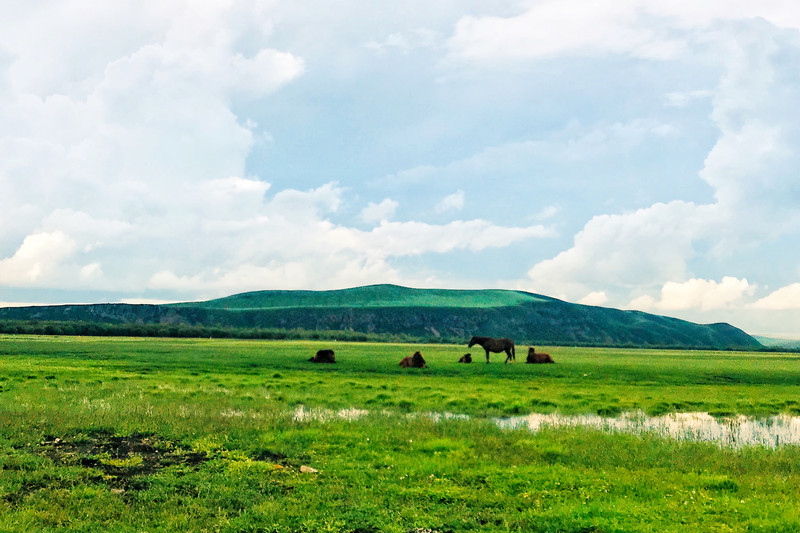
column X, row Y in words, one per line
column 324, row 356
column 541, row 357
column 413, row 361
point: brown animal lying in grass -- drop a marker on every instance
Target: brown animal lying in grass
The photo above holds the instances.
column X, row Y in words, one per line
column 413, row 361
column 324, row 356
column 466, row 358
column 534, row 357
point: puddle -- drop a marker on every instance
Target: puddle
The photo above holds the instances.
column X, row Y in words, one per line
column 304, row 414
column 735, row 432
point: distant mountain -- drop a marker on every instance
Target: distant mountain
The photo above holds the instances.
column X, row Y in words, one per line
column 771, row 342
column 425, row 314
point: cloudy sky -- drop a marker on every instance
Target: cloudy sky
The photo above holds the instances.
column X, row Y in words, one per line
column 639, row 154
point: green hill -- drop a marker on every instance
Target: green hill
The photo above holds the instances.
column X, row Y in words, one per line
column 419, row 314
column 369, row 296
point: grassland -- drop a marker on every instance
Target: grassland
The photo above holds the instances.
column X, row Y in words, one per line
column 119, row 434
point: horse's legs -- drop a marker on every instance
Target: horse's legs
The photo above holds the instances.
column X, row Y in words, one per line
column 487, row 355
column 508, row 355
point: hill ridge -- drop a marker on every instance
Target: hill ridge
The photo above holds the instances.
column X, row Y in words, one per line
column 376, row 295
column 425, row 314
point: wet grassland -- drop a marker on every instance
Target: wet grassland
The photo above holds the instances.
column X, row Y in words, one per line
column 115, row 434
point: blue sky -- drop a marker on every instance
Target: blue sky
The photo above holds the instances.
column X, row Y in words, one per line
column 633, row 154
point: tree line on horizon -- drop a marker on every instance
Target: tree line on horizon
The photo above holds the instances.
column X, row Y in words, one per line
column 103, row 329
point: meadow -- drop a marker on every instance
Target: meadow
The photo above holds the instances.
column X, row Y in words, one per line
column 124, row 434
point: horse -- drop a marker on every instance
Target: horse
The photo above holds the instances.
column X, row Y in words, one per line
column 496, row 346
column 413, row 361
column 466, row 358
column 540, row 357
column 324, row 356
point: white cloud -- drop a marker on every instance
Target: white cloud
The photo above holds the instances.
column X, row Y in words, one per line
column 548, row 212
column 630, row 250
column 129, row 143
column 91, row 271
column 645, row 302
column 684, row 98
column 594, row 298
column 377, row 212
column 697, row 295
column 289, row 242
column 782, row 299
column 453, row 202
column 406, row 42
column 397, row 239
column 703, row 294
column 37, row 259
column 661, row 29
column 552, row 28
column 122, row 149
column 753, row 171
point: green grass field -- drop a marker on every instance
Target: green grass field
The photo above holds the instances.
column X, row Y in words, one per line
column 116, row 434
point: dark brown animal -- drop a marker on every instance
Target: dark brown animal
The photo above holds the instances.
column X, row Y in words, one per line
column 496, row 346
column 413, row 361
column 536, row 358
column 466, row 358
column 324, row 356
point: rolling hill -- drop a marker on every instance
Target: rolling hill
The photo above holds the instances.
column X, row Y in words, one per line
column 423, row 314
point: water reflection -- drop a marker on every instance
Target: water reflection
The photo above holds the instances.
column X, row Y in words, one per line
column 734, row 432
column 304, row 414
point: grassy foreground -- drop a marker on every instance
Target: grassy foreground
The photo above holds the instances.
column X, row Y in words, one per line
column 174, row 435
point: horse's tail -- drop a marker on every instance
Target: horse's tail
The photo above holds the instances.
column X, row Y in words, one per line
column 513, row 352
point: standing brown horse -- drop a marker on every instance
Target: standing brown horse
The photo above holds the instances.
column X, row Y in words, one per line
column 496, row 346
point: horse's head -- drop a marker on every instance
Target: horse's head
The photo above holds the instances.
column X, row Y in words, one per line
column 472, row 342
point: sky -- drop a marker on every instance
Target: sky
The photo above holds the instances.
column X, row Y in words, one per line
column 636, row 154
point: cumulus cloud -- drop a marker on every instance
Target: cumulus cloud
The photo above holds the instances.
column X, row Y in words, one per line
column 124, row 166
column 453, row 202
column 752, row 169
column 119, row 157
column 703, row 294
column 640, row 28
column 406, row 42
column 684, row 98
column 782, row 299
column 378, row 212
column 413, row 238
column 594, row 298
column 629, row 250
column 286, row 241
column 548, row 212
column 37, row 259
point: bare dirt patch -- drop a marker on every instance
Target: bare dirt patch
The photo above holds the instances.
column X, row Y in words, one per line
column 123, row 460
column 126, row 461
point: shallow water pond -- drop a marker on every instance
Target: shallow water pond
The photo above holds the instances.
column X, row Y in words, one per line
column 736, row 432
